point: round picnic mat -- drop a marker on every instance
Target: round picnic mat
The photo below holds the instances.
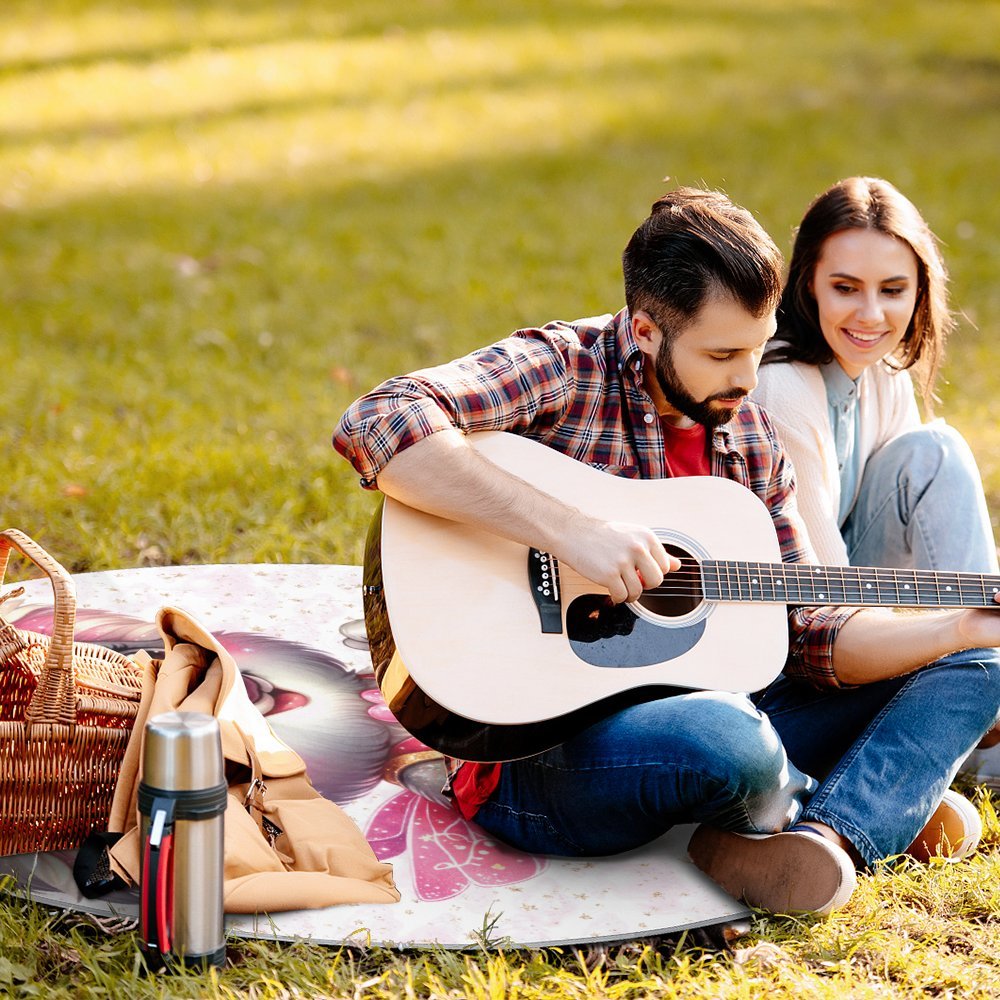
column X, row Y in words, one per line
column 296, row 634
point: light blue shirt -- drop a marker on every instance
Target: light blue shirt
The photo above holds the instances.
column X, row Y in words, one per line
column 842, row 402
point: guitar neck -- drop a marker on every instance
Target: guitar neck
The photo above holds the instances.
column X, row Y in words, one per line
column 801, row 583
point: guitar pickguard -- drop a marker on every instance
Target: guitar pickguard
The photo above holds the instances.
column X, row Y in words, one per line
column 613, row 635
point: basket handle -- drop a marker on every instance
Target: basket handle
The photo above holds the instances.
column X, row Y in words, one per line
column 54, row 700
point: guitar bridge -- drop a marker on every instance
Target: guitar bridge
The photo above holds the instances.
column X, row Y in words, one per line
column 543, row 577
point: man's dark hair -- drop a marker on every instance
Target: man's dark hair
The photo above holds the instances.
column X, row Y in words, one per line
column 694, row 244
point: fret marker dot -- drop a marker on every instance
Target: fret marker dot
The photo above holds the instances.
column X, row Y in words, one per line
column 906, row 586
column 947, row 588
column 823, row 596
column 753, row 579
column 868, row 586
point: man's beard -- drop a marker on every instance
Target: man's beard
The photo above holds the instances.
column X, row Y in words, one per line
column 680, row 399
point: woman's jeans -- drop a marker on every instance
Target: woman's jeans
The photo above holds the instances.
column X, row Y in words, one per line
column 921, row 506
column 872, row 761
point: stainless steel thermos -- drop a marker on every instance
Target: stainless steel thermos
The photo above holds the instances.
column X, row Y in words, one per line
column 182, row 801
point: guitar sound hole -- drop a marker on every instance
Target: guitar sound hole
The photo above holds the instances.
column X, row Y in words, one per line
column 680, row 593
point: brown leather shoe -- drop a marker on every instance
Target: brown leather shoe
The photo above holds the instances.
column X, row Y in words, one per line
column 788, row 872
column 953, row 832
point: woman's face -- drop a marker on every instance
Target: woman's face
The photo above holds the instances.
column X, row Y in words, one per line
column 865, row 285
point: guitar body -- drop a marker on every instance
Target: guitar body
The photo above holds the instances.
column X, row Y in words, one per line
column 457, row 635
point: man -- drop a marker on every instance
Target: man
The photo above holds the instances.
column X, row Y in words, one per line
column 861, row 737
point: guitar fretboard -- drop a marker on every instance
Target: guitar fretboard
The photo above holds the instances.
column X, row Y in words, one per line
column 800, row 583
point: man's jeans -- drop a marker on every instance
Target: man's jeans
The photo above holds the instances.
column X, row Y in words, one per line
column 696, row 756
column 884, row 754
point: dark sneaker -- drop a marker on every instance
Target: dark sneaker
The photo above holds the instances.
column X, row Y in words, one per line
column 953, row 832
column 782, row 872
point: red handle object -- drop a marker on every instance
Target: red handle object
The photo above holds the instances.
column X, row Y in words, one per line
column 156, row 897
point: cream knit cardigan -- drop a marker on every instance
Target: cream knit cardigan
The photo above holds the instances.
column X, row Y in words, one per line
column 794, row 395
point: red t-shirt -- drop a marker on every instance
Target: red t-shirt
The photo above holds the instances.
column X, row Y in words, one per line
column 686, row 455
column 686, row 450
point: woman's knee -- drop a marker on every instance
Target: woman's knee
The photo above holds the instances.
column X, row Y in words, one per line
column 927, row 452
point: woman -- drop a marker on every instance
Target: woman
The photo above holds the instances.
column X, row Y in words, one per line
column 865, row 304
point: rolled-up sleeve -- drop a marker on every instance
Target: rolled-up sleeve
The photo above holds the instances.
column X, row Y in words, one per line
column 382, row 423
column 515, row 384
column 812, row 632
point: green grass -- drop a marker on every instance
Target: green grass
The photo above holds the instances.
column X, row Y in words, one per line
column 909, row 932
column 221, row 221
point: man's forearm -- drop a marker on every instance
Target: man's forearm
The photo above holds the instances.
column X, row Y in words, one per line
column 444, row 475
column 878, row 643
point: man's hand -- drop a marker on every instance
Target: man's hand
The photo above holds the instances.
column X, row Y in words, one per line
column 980, row 627
column 624, row 558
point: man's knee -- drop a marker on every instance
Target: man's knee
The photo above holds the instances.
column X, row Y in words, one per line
column 740, row 739
column 698, row 721
column 763, row 790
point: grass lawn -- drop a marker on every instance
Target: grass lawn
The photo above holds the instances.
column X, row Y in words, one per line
column 222, row 221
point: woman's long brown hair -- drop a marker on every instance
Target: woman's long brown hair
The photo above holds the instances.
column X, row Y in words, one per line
column 866, row 203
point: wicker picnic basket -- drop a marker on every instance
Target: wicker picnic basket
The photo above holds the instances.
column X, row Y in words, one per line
column 66, row 711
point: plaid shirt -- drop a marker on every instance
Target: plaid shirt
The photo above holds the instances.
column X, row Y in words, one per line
column 577, row 387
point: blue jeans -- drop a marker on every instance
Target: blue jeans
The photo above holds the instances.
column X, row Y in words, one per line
column 695, row 757
column 885, row 753
column 921, row 506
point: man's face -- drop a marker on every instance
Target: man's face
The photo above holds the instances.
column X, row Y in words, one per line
column 703, row 374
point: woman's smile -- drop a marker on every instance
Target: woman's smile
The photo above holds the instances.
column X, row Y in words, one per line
column 865, row 285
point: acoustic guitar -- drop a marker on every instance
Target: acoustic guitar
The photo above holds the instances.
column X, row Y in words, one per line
column 489, row 650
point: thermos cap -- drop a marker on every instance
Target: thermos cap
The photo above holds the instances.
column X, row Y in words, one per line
column 182, row 752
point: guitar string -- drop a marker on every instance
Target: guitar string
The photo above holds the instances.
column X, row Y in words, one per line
column 804, row 581
column 810, row 571
column 688, row 581
column 833, row 597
